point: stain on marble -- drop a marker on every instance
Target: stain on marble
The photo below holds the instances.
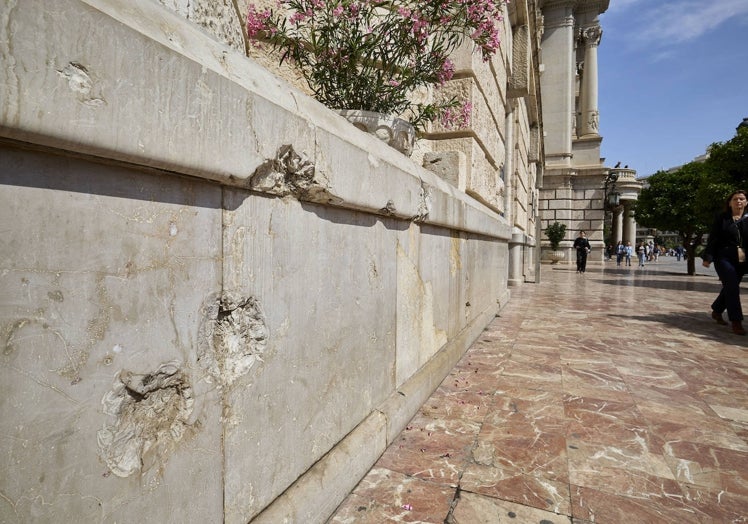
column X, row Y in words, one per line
column 388, row 496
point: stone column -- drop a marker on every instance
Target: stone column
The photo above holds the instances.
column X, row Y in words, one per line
column 516, row 249
column 557, row 80
column 624, row 226
column 629, row 225
column 616, row 232
column 590, row 117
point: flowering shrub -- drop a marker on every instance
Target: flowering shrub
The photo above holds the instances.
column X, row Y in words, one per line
column 372, row 54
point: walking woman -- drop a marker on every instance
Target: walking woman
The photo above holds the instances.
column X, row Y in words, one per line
column 641, row 252
column 726, row 248
column 620, row 252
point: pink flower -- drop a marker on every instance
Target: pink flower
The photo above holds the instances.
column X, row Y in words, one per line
column 466, row 112
column 458, row 119
column 257, row 22
column 342, row 47
column 447, row 71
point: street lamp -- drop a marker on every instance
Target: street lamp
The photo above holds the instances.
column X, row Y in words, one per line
column 612, row 197
column 611, row 200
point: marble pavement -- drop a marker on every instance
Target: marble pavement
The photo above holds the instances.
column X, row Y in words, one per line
column 605, row 397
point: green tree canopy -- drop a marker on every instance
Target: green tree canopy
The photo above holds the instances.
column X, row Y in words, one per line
column 729, row 160
column 671, row 202
column 685, row 200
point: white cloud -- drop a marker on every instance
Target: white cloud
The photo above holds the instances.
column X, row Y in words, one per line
column 682, row 21
column 674, row 21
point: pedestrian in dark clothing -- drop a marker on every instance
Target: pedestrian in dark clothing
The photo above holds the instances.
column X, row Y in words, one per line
column 582, row 245
column 726, row 247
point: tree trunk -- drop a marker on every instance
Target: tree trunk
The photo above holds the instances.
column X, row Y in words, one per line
column 691, row 241
column 691, row 262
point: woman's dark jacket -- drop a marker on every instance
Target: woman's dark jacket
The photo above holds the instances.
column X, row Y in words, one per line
column 582, row 243
column 725, row 237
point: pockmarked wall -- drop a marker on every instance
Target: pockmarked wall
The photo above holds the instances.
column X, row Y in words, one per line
column 219, row 301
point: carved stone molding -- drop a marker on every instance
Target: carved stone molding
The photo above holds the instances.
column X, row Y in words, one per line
column 555, row 23
column 555, row 4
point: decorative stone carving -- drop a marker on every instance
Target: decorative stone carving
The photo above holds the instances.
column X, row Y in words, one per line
column 592, row 35
column 593, row 122
column 395, row 132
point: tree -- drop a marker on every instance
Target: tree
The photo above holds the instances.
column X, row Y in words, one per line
column 729, row 160
column 673, row 201
column 686, row 200
column 727, row 165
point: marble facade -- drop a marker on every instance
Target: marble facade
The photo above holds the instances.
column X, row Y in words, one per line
column 574, row 182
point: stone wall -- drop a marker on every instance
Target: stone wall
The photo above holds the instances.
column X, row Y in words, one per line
column 220, row 302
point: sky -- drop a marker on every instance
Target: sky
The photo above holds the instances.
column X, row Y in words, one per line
column 673, row 79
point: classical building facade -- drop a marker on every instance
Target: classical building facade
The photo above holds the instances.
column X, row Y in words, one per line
column 578, row 190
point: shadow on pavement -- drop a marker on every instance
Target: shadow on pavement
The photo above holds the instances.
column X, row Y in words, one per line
column 672, row 285
column 697, row 323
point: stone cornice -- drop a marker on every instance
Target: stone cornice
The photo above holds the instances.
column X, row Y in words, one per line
column 579, row 6
column 592, row 6
column 554, row 4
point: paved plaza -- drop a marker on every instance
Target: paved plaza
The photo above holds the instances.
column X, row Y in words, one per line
column 605, row 397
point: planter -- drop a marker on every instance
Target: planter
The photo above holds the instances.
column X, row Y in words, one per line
column 395, row 132
column 556, row 256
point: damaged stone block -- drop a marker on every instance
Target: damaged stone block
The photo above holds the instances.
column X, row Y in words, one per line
column 150, row 416
column 290, row 173
column 424, row 203
column 233, row 338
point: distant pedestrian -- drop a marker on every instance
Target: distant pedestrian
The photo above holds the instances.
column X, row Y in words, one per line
column 726, row 247
column 582, row 245
column 641, row 252
column 620, row 252
column 628, row 252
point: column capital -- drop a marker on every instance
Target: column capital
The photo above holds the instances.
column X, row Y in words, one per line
column 591, row 35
